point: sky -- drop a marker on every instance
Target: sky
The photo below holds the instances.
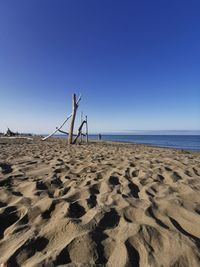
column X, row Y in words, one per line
column 136, row 64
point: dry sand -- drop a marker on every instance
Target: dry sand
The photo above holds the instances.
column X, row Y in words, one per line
column 101, row 204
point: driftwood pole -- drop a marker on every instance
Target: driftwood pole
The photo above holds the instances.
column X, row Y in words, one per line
column 86, row 129
column 71, row 129
column 81, row 128
column 75, row 104
column 79, row 132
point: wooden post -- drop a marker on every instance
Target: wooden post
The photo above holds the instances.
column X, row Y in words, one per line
column 71, row 129
column 86, row 129
column 81, row 128
column 79, row 132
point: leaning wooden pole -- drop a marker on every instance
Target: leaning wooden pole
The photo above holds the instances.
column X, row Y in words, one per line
column 79, row 132
column 71, row 129
column 86, row 129
column 81, row 128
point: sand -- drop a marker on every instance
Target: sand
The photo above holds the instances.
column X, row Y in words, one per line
column 102, row 204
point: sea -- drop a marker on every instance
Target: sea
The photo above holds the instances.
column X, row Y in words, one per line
column 187, row 142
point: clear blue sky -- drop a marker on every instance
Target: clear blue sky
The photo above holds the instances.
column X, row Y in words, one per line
column 136, row 63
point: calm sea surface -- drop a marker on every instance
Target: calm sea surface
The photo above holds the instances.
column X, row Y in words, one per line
column 174, row 141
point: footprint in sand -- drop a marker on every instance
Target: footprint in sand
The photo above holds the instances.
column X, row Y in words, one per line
column 40, row 185
column 75, row 210
column 27, row 250
column 6, row 182
column 62, row 258
column 175, row 177
column 47, row 213
column 110, row 220
column 133, row 255
column 7, row 218
column 94, row 189
column 92, row 201
column 5, row 168
column 134, row 190
column 113, row 180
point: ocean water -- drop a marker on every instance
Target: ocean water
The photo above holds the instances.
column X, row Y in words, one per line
column 174, row 141
column 190, row 142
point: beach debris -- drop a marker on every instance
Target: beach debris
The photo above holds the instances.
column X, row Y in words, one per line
column 73, row 138
column 83, row 122
column 74, row 110
column 80, row 134
column 10, row 133
column 15, row 135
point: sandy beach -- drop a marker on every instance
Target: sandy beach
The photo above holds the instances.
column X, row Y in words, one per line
column 101, row 204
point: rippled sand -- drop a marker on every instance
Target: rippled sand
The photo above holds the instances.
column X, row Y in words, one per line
column 102, row 204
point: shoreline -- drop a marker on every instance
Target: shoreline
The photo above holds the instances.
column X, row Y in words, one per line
column 147, row 145
column 193, row 149
column 34, row 137
column 156, row 142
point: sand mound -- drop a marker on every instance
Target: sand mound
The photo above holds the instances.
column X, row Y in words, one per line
column 98, row 205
